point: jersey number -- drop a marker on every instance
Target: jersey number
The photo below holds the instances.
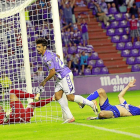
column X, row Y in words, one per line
column 61, row 64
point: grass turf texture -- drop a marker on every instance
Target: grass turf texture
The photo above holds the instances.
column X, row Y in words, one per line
column 58, row 131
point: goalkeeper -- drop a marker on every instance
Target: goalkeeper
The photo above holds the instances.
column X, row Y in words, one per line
column 19, row 114
column 113, row 111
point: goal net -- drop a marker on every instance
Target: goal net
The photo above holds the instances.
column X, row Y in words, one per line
column 21, row 23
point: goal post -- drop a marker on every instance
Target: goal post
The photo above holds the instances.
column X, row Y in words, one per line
column 57, row 32
column 25, row 53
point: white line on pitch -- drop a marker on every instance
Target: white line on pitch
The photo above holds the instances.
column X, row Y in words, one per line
column 104, row 129
column 109, row 130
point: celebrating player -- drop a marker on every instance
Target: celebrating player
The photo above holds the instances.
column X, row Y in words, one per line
column 19, row 114
column 113, row 111
column 64, row 82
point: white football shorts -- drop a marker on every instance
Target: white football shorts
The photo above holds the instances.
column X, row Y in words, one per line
column 66, row 84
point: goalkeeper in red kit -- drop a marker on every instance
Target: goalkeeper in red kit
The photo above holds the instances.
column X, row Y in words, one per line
column 20, row 114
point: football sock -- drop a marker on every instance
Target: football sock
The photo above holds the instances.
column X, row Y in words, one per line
column 41, row 102
column 80, row 99
column 65, row 108
column 93, row 96
column 22, row 94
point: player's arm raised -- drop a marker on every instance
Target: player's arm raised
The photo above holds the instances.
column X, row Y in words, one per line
column 122, row 93
column 51, row 74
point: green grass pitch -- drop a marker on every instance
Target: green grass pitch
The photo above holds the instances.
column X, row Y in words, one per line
column 55, row 130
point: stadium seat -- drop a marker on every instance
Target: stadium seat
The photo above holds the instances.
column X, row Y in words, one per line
column 119, row 31
column 115, row 39
column 72, row 50
column 92, row 63
column 128, row 45
column 39, row 59
column 45, row 69
column 118, row 17
column 99, row 63
column 120, row 46
column 124, row 38
column 87, row 71
column 112, row 11
column 130, row 61
column 123, row 24
column 35, row 69
column 137, row 45
column 110, row 32
column 96, row 71
column 114, row 24
column 94, row 56
column 134, row 52
column 137, row 60
column 126, row 30
column 135, row 68
column 104, row 70
column 125, row 53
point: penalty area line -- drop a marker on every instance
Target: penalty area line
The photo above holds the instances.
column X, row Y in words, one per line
column 109, row 130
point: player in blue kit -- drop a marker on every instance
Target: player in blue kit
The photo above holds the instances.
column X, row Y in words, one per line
column 113, row 111
column 64, row 81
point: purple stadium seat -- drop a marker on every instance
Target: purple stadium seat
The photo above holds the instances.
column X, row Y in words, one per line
column 104, row 70
column 106, row 27
column 126, row 30
column 96, row 71
column 39, row 59
column 135, row 68
column 35, row 69
column 92, row 63
column 35, row 63
column 125, row 38
column 99, row 63
column 128, row 15
column 110, row 32
column 128, row 45
column 33, row 38
column 112, row 11
column 94, row 56
column 137, row 60
column 115, row 39
column 8, row 71
column 123, row 24
column 72, row 50
column 130, row 61
column 120, row 46
column 118, row 17
column 119, row 31
column 134, row 52
column 87, row 71
column 34, row 54
column 15, row 70
column 125, row 53
column 137, row 45
column 45, row 69
column 114, row 24
column 33, row 49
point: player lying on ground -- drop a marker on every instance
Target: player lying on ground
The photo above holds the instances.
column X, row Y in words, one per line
column 113, row 111
column 19, row 114
column 64, row 82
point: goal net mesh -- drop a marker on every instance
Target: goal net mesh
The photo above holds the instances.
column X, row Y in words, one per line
column 39, row 23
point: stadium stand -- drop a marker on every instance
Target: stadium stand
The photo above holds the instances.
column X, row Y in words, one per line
column 109, row 48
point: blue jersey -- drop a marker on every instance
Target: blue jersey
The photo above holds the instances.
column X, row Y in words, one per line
column 132, row 109
column 50, row 60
